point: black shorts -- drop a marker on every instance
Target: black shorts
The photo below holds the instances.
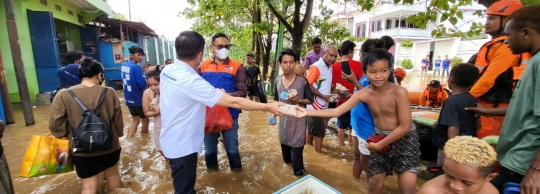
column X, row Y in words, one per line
column 253, row 90
column 316, row 126
column 136, row 111
column 87, row 167
column 344, row 121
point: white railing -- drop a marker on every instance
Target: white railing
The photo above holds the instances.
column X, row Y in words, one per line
column 405, row 32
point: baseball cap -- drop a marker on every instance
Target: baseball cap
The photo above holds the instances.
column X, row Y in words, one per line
column 435, row 84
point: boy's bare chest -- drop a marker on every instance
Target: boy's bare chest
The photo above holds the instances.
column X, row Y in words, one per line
column 382, row 105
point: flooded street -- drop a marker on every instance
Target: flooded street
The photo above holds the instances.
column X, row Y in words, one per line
column 143, row 170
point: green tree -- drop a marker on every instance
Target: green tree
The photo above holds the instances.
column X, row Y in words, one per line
column 447, row 10
column 119, row 16
column 296, row 23
column 329, row 31
column 244, row 22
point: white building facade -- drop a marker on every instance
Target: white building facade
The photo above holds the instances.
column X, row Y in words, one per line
column 386, row 18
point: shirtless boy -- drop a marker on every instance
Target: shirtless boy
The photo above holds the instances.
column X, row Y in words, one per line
column 390, row 107
column 467, row 166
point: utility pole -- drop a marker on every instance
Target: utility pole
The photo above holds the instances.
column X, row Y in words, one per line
column 18, row 64
column 6, row 102
column 279, row 41
column 129, row 8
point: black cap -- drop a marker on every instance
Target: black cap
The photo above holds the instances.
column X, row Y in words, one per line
column 435, row 84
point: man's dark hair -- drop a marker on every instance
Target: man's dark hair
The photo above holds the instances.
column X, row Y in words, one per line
column 168, row 60
column 74, row 55
column 389, row 42
column 290, row 52
column 346, row 47
column 376, row 55
column 188, row 44
column 370, row 44
column 316, row 40
column 135, row 50
column 219, row 35
column 464, row 75
column 250, row 55
column 90, row 68
column 526, row 17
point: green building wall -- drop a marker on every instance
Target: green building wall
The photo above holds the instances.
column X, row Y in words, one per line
column 20, row 10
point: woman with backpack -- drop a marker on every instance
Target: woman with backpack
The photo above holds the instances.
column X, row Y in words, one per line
column 90, row 116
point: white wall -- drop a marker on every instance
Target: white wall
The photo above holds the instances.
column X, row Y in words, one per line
column 446, row 47
column 403, row 52
column 420, row 50
column 468, row 48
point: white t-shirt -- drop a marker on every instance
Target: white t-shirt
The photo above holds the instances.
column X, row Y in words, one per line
column 183, row 99
column 322, row 76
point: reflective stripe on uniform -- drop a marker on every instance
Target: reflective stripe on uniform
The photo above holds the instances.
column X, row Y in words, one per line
column 479, row 67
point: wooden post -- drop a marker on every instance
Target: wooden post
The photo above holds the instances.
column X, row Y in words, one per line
column 6, row 102
column 18, row 64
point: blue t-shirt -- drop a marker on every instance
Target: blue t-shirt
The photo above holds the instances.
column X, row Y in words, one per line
column 68, row 75
column 134, row 83
column 446, row 63
column 438, row 62
column 361, row 118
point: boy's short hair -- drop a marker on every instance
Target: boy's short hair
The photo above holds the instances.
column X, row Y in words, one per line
column 526, row 17
column 472, row 152
column 374, row 56
column 316, row 40
column 290, row 52
column 464, row 75
column 74, row 55
column 135, row 50
column 346, row 47
column 250, row 55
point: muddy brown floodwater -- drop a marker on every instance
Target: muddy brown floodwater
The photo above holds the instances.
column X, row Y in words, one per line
column 143, row 169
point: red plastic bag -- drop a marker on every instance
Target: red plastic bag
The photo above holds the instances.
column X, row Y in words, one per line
column 218, row 118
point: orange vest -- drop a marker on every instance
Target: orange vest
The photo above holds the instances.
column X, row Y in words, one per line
column 482, row 57
column 518, row 71
column 436, row 102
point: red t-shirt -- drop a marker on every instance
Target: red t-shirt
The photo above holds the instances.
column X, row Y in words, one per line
column 356, row 68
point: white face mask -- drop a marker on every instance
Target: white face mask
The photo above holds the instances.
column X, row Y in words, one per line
column 222, row 53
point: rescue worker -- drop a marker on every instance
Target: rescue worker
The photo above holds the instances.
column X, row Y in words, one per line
column 495, row 62
column 434, row 95
column 400, row 74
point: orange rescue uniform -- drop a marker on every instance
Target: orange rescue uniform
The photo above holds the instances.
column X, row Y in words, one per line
column 437, row 98
column 498, row 56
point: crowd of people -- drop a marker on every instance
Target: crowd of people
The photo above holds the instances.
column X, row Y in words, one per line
column 493, row 95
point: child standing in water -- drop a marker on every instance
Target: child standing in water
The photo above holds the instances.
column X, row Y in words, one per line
column 151, row 104
column 292, row 130
column 394, row 144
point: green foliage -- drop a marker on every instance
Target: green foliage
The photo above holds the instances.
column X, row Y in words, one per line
column 406, row 43
column 232, row 17
column 446, row 9
column 407, row 63
column 455, row 61
column 119, row 16
column 330, row 32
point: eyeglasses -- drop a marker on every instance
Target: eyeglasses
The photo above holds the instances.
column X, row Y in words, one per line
column 219, row 47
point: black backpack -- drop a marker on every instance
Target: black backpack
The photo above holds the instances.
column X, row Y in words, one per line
column 92, row 133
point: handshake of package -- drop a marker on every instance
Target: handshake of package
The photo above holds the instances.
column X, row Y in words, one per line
column 288, row 109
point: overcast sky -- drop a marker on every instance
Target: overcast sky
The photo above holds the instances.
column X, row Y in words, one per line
column 160, row 15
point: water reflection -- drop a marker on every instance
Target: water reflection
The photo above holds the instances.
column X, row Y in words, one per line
column 143, row 169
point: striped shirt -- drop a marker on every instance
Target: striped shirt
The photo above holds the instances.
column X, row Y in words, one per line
column 312, row 57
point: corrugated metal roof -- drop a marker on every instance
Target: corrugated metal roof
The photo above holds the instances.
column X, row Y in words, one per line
column 139, row 26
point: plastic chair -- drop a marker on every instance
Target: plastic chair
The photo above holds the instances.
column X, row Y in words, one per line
column 511, row 188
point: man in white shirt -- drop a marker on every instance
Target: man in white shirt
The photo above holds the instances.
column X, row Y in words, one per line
column 183, row 100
